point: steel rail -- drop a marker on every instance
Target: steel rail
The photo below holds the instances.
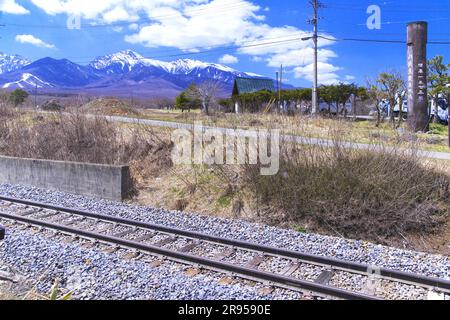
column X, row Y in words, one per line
column 411, row 278
column 228, row 267
column 2, row 232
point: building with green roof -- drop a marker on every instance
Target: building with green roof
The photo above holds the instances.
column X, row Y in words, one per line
column 251, row 85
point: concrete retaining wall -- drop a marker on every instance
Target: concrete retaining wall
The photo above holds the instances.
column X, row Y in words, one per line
column 101, row 181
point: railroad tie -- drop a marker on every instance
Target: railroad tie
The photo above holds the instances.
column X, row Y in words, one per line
column 131, row 255
column 255, row 262
column 111, row 249
column 165, row 241
column 325, row 277
column 124, row 233
column 290, row 269
column 74, row 221
column 189, row 247
column 225, row 254
column 50, row 214
column 29, row 212
column 5, row 204
column 145, row 237
column 89, row 244
column 107, row 228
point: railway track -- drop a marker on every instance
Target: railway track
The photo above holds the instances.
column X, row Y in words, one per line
column 317, row 275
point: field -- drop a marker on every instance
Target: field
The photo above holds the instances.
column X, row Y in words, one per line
column 351, row 130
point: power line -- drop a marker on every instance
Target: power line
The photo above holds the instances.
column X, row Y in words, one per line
column 221, row 49
column 244, row 44
column 363, row 40
column 378, row 40
column 388, row 8
column 439, row 42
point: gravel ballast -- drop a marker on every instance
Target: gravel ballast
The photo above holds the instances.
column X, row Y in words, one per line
column 92, row 274
column 141, row 281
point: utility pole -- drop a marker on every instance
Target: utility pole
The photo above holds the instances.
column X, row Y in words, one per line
column 278, row 82
column 35, row 95
column 278, row 92
column 314, row 21
column 281, row 88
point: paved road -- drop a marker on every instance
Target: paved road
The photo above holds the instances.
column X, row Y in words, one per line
column 298, row 139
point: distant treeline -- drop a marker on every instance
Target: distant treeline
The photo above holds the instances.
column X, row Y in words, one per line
column 337, row 95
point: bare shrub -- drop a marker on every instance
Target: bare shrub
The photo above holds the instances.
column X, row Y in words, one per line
column 6, row 113
column 379, row 194
column 52, row 105
column 180, row 204
column 7, row 110
column 149, row 153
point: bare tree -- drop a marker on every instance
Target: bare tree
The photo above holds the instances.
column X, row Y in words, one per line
column 394, row 87
column 376, row 94
column 206, row 92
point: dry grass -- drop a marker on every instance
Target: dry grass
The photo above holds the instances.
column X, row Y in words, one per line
column 8, row 296
column 90, row 140
column 110, row 107
column 385, row 195
column 317, row 127
column 7, row 113
column 381, row 196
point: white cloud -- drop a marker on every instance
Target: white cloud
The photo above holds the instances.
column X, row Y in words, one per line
column 11, row 7
column 203, row 24
column 105, row 10
column 30, row 39
column 133, row 27
column 300, row 57
column 118, row 14
column 350, row 78
column 327, row 73
column 117, row 29
column 228, row 59
column 195, row 25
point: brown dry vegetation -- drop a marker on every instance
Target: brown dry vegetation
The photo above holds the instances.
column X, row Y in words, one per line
column 109, row 107
column 386, row 195
column 376, row 196
column 354, row 131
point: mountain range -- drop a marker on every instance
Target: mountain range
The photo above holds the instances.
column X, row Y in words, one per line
column 124, row 73
column 10, row 63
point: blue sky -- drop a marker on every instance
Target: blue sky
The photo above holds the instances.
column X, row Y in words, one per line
column 253, row 36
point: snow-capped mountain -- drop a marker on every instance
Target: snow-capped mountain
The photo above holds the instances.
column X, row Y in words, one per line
column 132, row 63
column 123, row 62
column 49, row 73
column 10, row 63
column 28, row 81
column 125, row 71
